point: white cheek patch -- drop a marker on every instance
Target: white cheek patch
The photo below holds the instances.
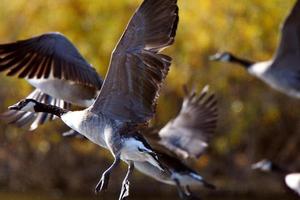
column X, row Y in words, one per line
column 225, row 58
column 135, row 145
column 266, row 167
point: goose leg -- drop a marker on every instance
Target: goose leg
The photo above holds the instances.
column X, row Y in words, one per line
column 126, row 183
column 180, row 190
column 190, row 194
column 103, row 183
column 185, row 192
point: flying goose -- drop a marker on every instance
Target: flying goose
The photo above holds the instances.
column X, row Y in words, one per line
column 282, row 72
column 292, row 180
column 186, row 136
column 129, row 93
column 53, row 65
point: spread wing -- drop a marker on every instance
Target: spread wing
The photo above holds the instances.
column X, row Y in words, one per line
column 290, row 38
column 29, row 120
column 45, row 56
column 137, row 69
column 189, row 133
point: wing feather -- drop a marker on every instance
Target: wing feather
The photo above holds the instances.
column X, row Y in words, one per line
column 189, row 133
column 290, row 38
column 137, row 69
column 50, row 54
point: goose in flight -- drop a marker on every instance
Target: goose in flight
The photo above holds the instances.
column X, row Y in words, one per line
column 185, row 137
column 291, row 180
column 282, row 72
column 129, row 93
column 53, row 65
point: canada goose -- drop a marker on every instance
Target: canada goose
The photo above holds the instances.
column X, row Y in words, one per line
column 53, row 65
column 196, row 120
column 292, row 180
column 282, row 71
column 186, row 136
column 129, row 92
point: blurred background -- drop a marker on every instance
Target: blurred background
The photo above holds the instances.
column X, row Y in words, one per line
column 255, row 121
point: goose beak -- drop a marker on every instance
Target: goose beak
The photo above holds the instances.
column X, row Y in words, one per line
column 13, row 107
column 255, row 166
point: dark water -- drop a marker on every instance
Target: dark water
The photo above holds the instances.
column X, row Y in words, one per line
column 26, row 196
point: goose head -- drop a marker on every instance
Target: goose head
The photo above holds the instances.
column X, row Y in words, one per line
column 263, row 165
column 26, row 105
column 223, row 57
column 266, row 165
column 230, row 58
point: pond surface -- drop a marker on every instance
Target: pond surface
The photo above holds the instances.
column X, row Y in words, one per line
column 26, row 196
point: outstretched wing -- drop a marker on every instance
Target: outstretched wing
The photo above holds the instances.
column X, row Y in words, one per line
column 290, row 38
column 189, row 133
column 29, row 120
column 137, row 69
column 45, row 56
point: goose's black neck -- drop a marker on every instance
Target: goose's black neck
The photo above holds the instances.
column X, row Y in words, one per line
column 55, row 110
column 279, row 170
column 243, row 62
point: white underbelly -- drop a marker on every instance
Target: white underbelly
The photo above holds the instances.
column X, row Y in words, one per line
column 130, row 152
column 90, row 127
column 281, row 79
column 293, row 182
column 284, row 85
column 132, row 155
